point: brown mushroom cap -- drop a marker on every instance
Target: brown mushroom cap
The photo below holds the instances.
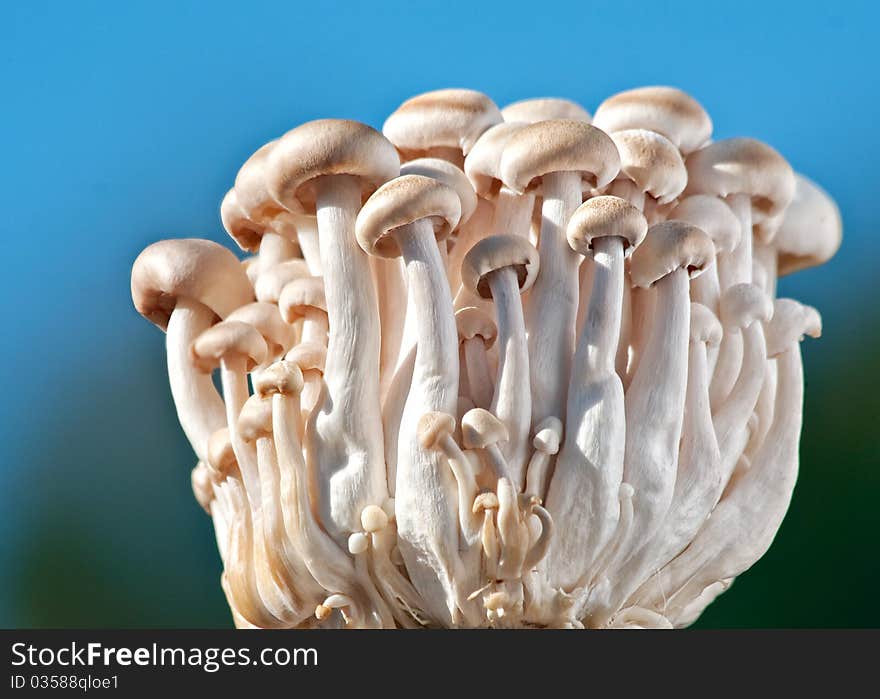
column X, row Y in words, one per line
column 497, row 252
column 433, row 427
column 200, row 270
column 483, row 164
column 246, row 233
column 480, row 429
column 402, row 201
column 448, row 174
column 271, row 282
column 605, row 217
column 451, row 118
column 743, row 304
column 543, row 108
column 227, row 340
column 300, row 296
column 282, row 377
column 811, row 230
column 713, row 216
column 704, row 325
column 791, row 321
column 266, row 318
column 308, row 356
column 255, row 418
column 743, row 166
column 667, row 247
column 652, row 162
column 221, row 456
column 202, row 487
column 472, row 322
column 666, row 110
column 559, row 145
column 250, row 187
column 327, row 147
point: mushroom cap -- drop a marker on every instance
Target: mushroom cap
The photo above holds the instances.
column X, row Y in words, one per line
column 266, row 318
column 299, row 296
column 483, row 164
column 450, row 118
column 202, row 487
column 451, row 176
column 704, row 325
column 548, row 434
column 433, row 427
column 498, row 252
column 743, row 304
column 485, row 501
column 308, row 356
column 250, row 187
column 226, row 340
column 245, row 232
column 713, row 216
column 402, row 201
column 543, row 108
column 472, row 321
column 666, row 110
column 605, row 217
column 743, row 166
column 271, row 283
column 791, row 321
column 358, row 543
column 221, row 456
column 668, row 246
column 558, row 145
column 652, row 162
column 327, row 147
column 191, row 268
column 255, row 418
column 373, row 519
column 480, row 429
column 282, row 377
column 811, row 230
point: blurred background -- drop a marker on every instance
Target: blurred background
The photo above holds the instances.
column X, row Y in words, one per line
column 126, row 122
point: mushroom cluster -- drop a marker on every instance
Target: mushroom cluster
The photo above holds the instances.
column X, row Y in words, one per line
column 518, row 367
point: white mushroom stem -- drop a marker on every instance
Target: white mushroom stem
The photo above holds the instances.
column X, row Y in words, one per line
column 642, row 314
column 655, row 408
column 467, row 486
column 476, row 364
column 765, row 268
column 315, row 327
column 274, row 249
column 743, row 524
column 200, row 408
column 510, row 403
column 423, row 483
column 697, row 484
column 732, row 418
column 233, row 379
column 736, row 266
column 327, row 563
column 391, row 294
column 513, row 213
column 706, row 289
column 348, row 438
column 286, row 568
column 552, row 304
column 240, row 570
column 583, row 492
column 307, row 236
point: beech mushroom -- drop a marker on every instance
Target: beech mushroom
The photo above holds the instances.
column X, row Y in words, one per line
column 672, row 253
column 406, row 217
column 561, row 156
column 324, row 168
column 502, row 267
column 583, row 492
column 441, row 124
column 181, row 286
column 411, row 414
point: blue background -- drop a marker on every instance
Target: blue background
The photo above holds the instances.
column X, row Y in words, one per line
column 123, row 123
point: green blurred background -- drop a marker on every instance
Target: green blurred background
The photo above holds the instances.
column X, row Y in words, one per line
column 126, row 123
